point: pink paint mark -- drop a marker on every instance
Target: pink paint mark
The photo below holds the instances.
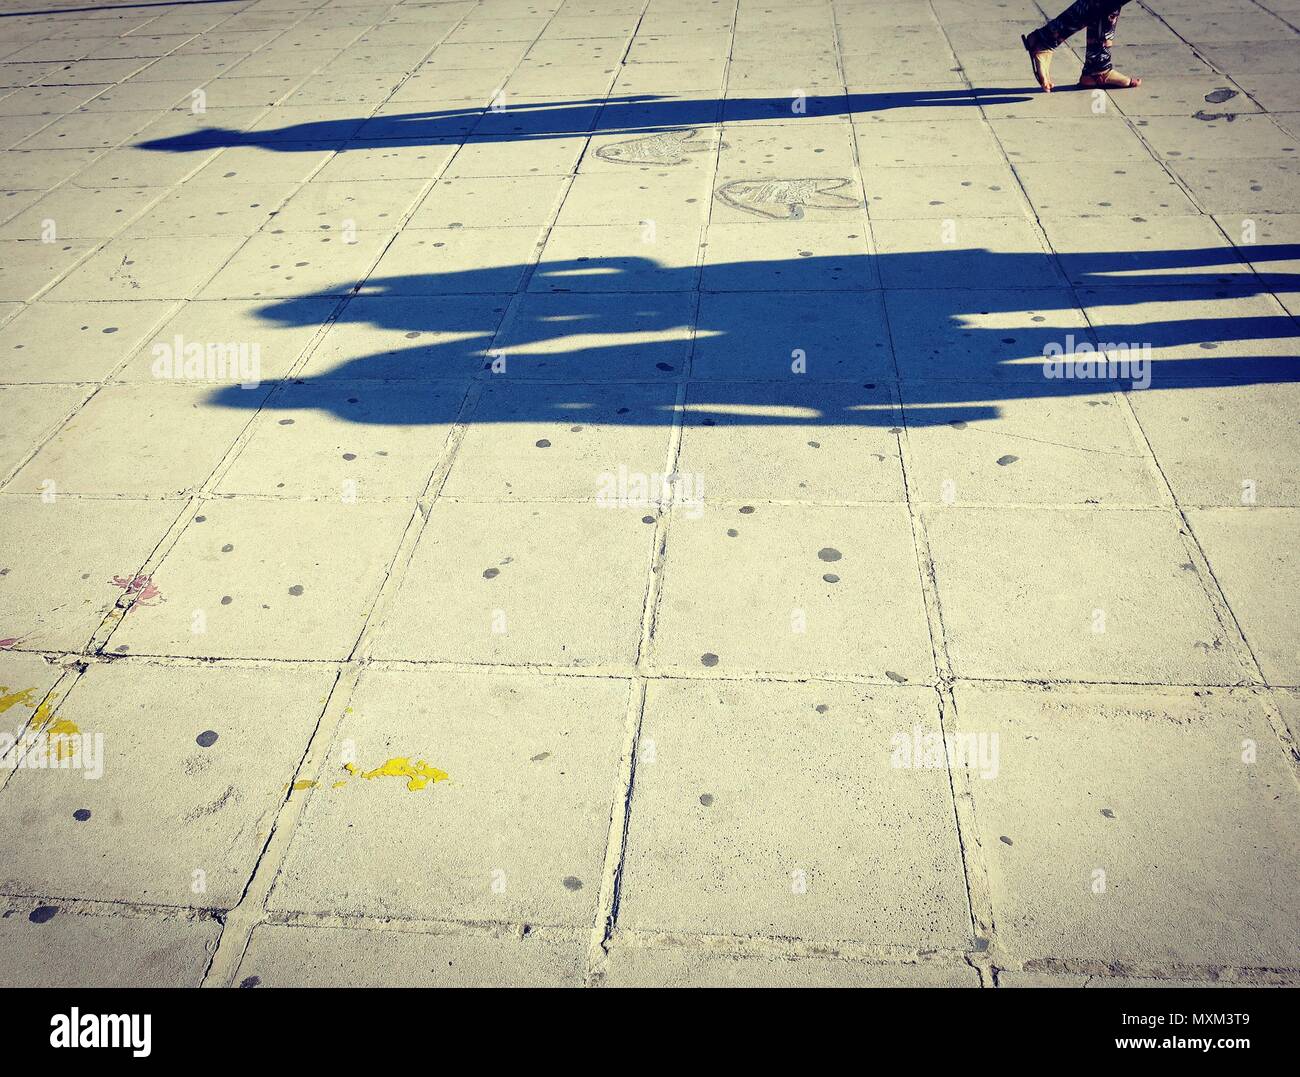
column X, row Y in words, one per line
column 142, row 587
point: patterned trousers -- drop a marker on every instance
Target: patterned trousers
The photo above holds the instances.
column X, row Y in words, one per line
column 1098, row 17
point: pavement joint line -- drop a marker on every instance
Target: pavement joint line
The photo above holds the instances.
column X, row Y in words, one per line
column 240, row 920
column 974, row 864
column 667, row 673
column 737, row 946
column 620, row 818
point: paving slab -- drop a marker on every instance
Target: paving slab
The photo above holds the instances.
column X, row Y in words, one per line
column 1223, row 445
column 710, row 851
column 507, row 157
column 75, row 342
column 1029, row 140
column 1062, row 447
column 825, row 589
column 231, row 592
column 645, row 966
column 62, row 555
column 908, row 144
column 1255, row 562
column 791, row 441
column 215, row 797
column 358, row 205
column 280, row 955
column 953, row 251
column 952, row 191
column 1187, row 860
column 1127, row 187
column 78, row 213
column 516, row 833
column 1256, row 185
column 234, row 335
column 148, row 268
column 123, row 442
column 811, row 257
column 319, row 452
column 1201, row 333
column 980, row 334
column 71, row 951
column 1230, row 137
column 206, row 209
column 618, row 258
column 512, row 200
column 467, row 598
column 530, row 441
column 401, row 338
column 33, row 413
column 1083, row 607
column 595, row 337
column 28, row 267
column 766, row 336
column 454, row 261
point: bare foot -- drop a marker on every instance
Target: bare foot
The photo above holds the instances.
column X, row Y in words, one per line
column 1041, row 62
column 1108, row 80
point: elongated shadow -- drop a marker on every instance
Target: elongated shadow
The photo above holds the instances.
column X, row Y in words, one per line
column 790, row 341
column 632, row 115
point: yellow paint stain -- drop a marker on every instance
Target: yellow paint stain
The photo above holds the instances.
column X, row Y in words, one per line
column 9, row 699
column 419, row 774
column 338, row 785
column 42, row 713
column 351, row 768
column 64, row 727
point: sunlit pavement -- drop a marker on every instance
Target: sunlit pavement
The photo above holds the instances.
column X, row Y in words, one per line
column 597, row 492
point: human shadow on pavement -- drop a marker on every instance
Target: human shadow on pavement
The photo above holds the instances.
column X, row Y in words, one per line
column 646, row 115
column 805, row 341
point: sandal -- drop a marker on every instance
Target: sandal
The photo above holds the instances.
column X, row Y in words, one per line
column 1108, row 80
column 1040, row 65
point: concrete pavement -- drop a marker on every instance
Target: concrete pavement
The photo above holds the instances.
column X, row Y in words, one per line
column 608, row 492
